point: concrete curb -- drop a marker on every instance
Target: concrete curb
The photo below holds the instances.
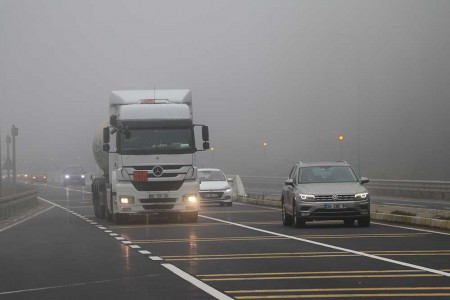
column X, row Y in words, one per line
column 375, row 214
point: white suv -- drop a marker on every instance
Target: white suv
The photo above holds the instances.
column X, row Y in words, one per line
column 215, row 187
column 324, row 191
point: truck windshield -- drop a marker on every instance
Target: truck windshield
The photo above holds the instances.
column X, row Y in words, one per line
column 157, row 141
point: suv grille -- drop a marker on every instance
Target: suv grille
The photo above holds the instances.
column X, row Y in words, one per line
column 344, row 197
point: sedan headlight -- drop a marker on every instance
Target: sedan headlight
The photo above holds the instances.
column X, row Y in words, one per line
column 67, row 176
column 362, row 196
column 82, row 176
column 126, row 199
column 190, row 199
column 307, row 197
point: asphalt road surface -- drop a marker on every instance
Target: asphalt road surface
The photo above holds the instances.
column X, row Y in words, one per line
column 241, row 252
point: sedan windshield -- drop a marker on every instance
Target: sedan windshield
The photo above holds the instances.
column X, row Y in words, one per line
column 324, row 174
column 211, row 176
column 157, row 141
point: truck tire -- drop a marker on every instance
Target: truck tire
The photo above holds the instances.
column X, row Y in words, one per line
column 190, row 217
column 120, row 218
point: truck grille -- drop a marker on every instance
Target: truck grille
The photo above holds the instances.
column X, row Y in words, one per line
column 157, row 185
column 158, row 206
column 344, row 197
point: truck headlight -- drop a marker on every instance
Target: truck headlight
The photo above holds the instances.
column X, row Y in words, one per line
column 190, row 199
column 362, row 196
column 67, row 176
column 82, row 176
column 126, row 199
column 307, row 197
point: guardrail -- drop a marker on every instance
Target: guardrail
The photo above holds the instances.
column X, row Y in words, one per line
column 439, row 190
column 270, row 187
column 16, row 203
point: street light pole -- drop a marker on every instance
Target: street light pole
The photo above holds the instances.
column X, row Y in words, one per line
column 212, row 156
column 341, row 140
column 8, row 160
column 14, row 133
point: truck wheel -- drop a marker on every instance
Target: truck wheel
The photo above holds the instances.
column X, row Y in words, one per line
column 190, row 217
column 120, row 218
column 102, row 211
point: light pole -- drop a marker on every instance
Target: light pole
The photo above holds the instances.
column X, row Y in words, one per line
column 265, row 144
column 212, row 156
column 8, row 160
column 14, row 133
column 341, row 140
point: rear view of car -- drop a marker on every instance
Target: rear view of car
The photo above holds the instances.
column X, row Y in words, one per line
column 74, row 175
column 214, row 187
column 39, row 178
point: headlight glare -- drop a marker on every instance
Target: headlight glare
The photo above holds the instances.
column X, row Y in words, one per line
column 361, row 195
column 126, row 199
column 307, row 197
column 190, row 199
column 67, row 176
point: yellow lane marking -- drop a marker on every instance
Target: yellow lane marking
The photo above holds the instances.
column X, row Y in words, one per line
column 149, row 226
column 426, row 288
column 311, row 273
column 239, row 212
column 301, row 255
column 271, row 237
column 334, row 296
column 324, row 277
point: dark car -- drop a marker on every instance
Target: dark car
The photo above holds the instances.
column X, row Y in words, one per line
column 74, row 175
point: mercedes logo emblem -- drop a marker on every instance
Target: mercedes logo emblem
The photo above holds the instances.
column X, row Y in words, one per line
column 335, row 197
column 158, row 171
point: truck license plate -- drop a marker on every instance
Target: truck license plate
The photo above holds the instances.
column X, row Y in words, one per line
column 334, row 206
column 158, row 196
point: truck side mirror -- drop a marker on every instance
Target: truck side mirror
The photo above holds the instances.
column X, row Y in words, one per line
column 205, row 145
column 106, row 135
column 205, row 134
column 113, row 120
column 106, row 147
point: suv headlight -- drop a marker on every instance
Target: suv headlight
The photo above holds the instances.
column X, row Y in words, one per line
column 362, row 196
column 307, row 197
column 126, row 199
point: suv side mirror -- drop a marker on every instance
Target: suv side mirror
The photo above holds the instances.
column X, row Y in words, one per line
column 289, row 181
column 230, row 179
column 364, row 180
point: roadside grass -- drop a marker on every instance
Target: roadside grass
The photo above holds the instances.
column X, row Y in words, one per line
column 403, row 213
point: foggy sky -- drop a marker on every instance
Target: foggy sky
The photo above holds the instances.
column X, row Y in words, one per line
column 289, row 73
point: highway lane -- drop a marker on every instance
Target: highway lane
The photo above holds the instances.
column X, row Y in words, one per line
column 242, row 251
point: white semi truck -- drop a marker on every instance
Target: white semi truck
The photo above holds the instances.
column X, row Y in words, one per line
column 147, row 155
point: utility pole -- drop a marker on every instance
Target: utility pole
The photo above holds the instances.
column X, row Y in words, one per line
column 1, row 170
column 14, row 133
column 8, row 159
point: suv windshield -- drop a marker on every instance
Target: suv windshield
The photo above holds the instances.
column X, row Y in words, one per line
column 326, row 174
column 211, row 176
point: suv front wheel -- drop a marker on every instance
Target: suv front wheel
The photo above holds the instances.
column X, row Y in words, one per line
column 298, row 222
column 287, row 219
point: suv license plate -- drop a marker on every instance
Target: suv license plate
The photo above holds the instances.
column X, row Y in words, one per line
column 334, row 206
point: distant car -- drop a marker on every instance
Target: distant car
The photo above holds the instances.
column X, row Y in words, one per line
column 39, row 178
column 74, row 175
column 215, row 187
column 23, row 177
column 324, row 191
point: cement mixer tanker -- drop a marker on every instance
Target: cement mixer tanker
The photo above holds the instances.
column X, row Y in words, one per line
column 147, row 154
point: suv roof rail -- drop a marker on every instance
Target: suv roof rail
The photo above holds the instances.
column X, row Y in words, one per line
column 342, row 161
column 300, row 162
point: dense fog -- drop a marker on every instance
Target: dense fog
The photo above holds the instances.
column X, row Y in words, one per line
column 292, row 74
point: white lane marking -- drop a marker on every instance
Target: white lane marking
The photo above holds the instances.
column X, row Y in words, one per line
column 144, row 252
column 135, row 246
column 119, row 238
column 200, row 284
column 259, row 206
column 69, row 189
column 101, row 227
column 26, row 219
column 108, row 231
column 155, row 258
column 397, row 262
column 76, row 284
column 411, row 228
column 113, row 234
column 126, row 242
column 404, row 205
